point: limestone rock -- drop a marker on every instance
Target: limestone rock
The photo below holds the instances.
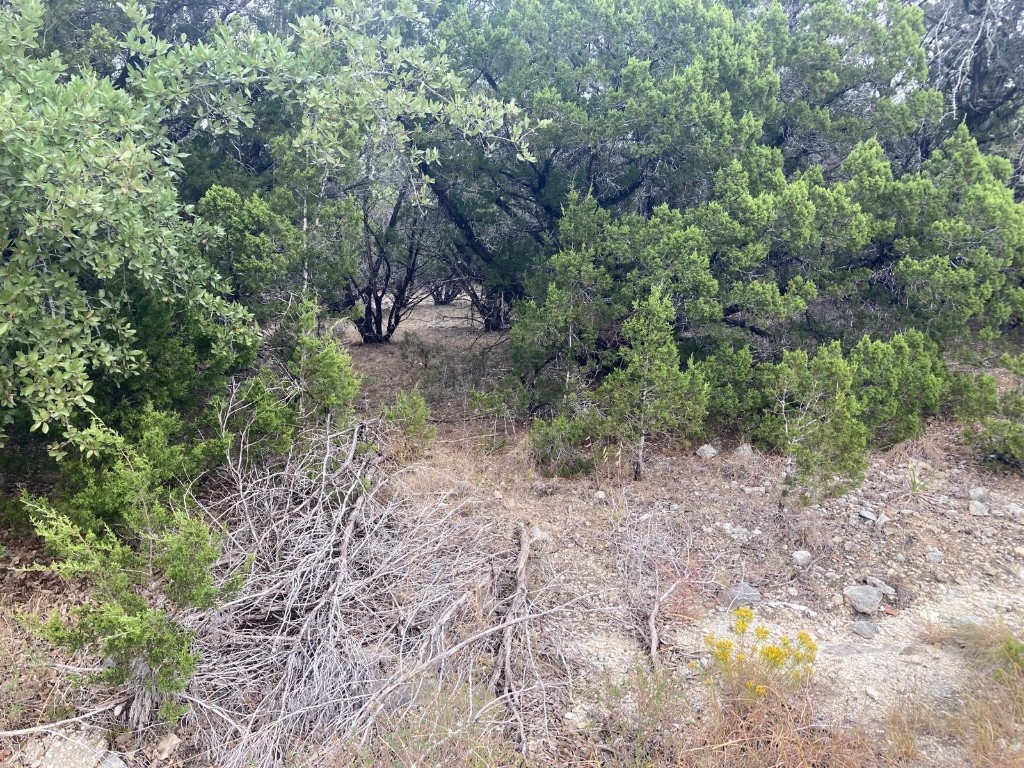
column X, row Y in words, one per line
column 864, row 598
column 865, row 629
column 978, row 508
column 741, row 594
column 802, row 558
column 707, row 452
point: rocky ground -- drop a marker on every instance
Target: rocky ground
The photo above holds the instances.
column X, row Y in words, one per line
column 931, row 539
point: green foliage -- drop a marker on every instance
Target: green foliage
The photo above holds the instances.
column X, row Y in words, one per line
column 898, row 383
column 562, row 446
column 258, row 248
column 962, row 243
column 318, row 366
column 1001, row 440
column 650, row 395
column 89, row 213
column 411, row 416
column 266, row 417
column 734, row 399
column 971, row 397
column 1000, row 435
column 813, row 416
column 125, row 525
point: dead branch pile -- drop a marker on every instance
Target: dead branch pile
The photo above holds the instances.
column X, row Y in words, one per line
column 664, row 572
column 354, row 601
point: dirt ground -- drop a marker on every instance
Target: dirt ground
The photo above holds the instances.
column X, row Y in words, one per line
column 911, row 526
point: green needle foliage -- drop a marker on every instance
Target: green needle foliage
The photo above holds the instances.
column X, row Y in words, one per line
column 126, row 526
column 650, row 396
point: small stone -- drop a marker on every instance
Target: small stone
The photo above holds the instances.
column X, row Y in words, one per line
column 836, row 601
column 600, row 495
column 882, row 520
column 978, row 494
column 75, row 749
column 754, row 490
column 1014, row 510
column 867, row 514
column 707, row 452
column 865, row 629
column 873, row 694
column 935, row 556
column 978, row 508
column 741, row 594
column 941, row 576
column 881, row 586
column 743, row 451
column 166, row 746
column 864, row 598
column 802, row 558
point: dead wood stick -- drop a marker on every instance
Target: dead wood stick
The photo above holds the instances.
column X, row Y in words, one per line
column 520, row 599
column 48, row 726
column 652, row 622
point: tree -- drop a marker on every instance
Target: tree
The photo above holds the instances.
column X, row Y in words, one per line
column 650, row 395
column 90, row 221
column 976, row 60
column 813, row 416
column 257, row 248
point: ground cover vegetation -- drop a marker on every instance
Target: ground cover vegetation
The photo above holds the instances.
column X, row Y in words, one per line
column 797, row 223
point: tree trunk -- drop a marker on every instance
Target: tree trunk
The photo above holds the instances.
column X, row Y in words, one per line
column 638, row 466
column 494, row 309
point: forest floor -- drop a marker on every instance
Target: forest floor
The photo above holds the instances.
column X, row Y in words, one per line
column 714, row 524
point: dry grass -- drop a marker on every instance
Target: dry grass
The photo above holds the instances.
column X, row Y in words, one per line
column 991, row 722
column 986, row 725
column 650, row 724
column 905, row 725
column 778, row 729
column 454, row 727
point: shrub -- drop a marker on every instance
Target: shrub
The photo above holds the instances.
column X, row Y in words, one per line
column 752, row 665
column 971, row 397
column 147, row 557
column 898, row 383
column 647, row 716
column 650, row 395
column 505, row 404
column 561, row 446
column 411, row 416
column 1001, row 440
column 733, row 396
column 813, row 416
column 1000, row 436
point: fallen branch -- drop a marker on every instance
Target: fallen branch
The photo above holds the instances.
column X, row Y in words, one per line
column 652, row 622
column 60, row 723
column 358, row 600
